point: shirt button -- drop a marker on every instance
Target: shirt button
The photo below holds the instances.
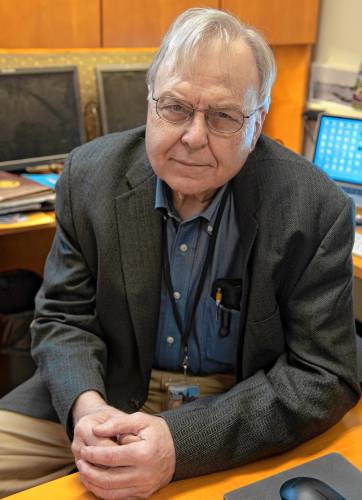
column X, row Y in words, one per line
column 176, row 295
column 184, row 247
column 170, row 340
column 209, row 229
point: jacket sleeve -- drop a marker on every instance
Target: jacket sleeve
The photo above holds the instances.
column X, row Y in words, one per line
column 67, row 340
column 309, row 388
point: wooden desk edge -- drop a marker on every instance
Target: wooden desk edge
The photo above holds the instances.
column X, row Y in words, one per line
column 25, row 226
column 344, row 438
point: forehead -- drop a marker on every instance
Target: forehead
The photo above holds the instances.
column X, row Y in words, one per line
column 221, row 71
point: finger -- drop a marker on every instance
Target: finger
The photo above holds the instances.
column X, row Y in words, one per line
column 127, row 438
column 128, row 493
column 128, row 424
column 111, row 478
column 79, row 443
column 115, row 456
column 108, row 479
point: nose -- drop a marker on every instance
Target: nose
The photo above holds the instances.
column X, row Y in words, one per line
column 195, row 134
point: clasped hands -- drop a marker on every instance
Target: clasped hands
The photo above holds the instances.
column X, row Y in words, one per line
column 121, row 456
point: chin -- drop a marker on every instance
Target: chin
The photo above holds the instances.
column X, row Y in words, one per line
column 189, row 188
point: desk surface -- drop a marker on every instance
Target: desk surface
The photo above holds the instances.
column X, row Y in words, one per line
column 345, row 438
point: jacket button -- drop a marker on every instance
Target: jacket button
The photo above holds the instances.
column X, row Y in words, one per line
column 135, row 403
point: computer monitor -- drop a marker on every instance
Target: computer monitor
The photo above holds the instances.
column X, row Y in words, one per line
column 338, row 148
column 122, row 94
column 338, row 152
column 41, row 119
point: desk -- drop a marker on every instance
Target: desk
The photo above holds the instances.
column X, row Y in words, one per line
column 25, row 245
column 345, row 438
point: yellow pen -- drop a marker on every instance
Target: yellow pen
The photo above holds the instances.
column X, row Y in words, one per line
column 218, row 299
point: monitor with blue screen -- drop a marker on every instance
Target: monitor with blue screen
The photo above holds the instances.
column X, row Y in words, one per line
column 338, row 152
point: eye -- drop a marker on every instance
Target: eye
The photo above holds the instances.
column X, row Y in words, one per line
column 176, row 108
column 227, row 115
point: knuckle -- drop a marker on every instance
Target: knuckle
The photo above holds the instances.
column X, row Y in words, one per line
column 144, row 455
column 113, row 495
column 75, row 448
column 112, row 455
column 87, row 454
column 108, row 456
column 106, row 482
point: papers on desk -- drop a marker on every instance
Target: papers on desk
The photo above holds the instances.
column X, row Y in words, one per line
column 357, row 247
column 20, row 194
column 29, row 219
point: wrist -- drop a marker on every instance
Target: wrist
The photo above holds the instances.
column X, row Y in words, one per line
column 88, row 402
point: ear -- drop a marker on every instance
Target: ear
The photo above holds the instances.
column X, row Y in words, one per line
column 259, row 121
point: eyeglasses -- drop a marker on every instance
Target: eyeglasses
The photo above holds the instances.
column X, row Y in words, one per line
column 219, row 120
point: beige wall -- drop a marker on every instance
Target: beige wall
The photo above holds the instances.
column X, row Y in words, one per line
column 340, row 33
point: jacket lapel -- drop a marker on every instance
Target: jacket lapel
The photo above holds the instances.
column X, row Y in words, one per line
column 247, row 200
column 139, row 226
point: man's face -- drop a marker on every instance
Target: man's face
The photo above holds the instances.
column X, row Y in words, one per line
column 189, row 157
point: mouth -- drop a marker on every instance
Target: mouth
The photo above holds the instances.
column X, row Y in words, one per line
column 188, row 163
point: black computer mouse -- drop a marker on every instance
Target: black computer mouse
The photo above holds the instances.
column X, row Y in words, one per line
column 308, row 488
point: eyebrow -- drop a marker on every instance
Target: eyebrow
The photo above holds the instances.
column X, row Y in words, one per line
column 224, row 105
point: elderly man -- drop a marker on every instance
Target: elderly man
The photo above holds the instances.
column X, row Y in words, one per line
column 200, row 272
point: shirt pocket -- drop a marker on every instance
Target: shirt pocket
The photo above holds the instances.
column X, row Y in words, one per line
column 222, row 349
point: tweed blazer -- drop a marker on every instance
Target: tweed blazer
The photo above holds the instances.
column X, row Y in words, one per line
column 96, row 317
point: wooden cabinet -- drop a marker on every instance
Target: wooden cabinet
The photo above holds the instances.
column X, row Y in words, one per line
column 50, row 23
column 283, row 22
column 142, row 23
column 284, row 120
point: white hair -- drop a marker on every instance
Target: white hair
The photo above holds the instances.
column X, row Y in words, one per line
column 197, row 28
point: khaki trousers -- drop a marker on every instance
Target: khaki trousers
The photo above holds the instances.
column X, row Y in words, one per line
column 34, row 451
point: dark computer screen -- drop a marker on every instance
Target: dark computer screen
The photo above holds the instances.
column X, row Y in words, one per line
column 40, row 115
column 122, row 96
column 338, row 148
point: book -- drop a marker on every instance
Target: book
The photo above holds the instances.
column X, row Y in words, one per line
column 17, row 193
column 49, row 180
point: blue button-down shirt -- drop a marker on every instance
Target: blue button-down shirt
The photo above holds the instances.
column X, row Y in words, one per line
column 187, row 246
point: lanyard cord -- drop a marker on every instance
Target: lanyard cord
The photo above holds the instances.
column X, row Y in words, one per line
column 186, row 332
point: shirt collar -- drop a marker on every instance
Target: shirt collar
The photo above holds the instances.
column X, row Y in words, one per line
column 163, row 202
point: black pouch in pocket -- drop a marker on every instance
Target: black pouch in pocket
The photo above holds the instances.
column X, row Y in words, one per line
column 231, row 290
